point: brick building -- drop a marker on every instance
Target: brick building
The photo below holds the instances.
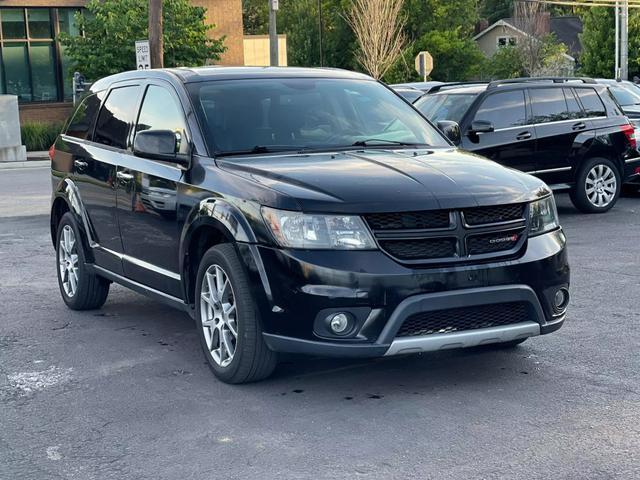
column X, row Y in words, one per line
column 33, row 65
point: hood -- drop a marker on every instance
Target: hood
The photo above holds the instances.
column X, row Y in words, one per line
column 632, row 111
column 378, row 180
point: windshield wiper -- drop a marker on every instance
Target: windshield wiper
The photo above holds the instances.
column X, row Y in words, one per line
column 264, row 149
column 370, row 142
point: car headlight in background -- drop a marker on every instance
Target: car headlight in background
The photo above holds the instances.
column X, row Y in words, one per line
column 543, row 216
column 311, row 231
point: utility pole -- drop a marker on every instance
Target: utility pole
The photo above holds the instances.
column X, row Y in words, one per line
column 320, row 28
column 624, row 41
column 273, row 33
column 616, row 73
column 155, row 34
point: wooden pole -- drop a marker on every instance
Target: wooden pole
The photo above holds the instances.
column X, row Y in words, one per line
column 273, row 35
column 155, row 34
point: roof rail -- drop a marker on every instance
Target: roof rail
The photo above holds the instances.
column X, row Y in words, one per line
column 497, row 83
column 437, row 88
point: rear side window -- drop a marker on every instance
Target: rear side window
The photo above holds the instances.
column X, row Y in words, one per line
column 160, row 111
column 548, row 105
column 117, row 116
column 591, row 102
column 575, row 110
column 84, row 118
column 503, row 109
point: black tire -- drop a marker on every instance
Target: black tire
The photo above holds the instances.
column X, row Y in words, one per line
column 252, row 359
column 91, row 290
column 579, row 195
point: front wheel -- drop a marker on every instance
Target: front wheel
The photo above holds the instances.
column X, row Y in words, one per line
column 227, row 321
column 597, row 186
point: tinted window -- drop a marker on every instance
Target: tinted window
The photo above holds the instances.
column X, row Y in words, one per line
column 445, row 106
column 160, row 111
column 290, row 113
column 625, row 97
column 591, row 102
column 575, row 111
column 548, row 105
column 116, row 117
column 84, row 118
column 504, row 109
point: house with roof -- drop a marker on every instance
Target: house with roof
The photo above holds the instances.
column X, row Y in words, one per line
column 505, row 32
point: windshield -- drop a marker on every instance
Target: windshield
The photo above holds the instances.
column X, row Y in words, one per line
column 451, row 106
column 280, row 114
column 625, row 97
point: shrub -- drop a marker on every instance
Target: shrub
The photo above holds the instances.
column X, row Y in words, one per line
column 38, row 136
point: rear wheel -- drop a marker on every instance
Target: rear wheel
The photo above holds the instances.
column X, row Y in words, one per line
column 597, row 186
column 227, row 320
column 80, row 288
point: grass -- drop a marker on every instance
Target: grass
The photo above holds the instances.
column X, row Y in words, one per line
column 38, row 136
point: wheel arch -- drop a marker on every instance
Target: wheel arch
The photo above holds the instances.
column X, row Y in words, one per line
column 66, row 198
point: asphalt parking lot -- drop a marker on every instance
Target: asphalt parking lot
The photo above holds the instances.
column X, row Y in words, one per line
column 124, row 392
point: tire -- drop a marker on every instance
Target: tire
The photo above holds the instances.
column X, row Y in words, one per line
column 80, row 288
column 598, row 186
column 243, row 357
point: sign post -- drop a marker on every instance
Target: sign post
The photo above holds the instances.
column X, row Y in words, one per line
column 142, row 55
column 424, row 64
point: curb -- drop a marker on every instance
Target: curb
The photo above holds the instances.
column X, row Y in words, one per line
column 27, row 164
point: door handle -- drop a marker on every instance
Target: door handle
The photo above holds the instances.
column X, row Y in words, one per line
column 579, row 126
column 523, row 136
column 125, row 177
column 80, row 165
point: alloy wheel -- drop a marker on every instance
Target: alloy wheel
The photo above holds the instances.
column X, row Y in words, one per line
column 601, row 185
column 218, row 315
column 68, row 261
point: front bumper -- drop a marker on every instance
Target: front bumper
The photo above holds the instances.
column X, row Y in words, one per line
column 294, row 289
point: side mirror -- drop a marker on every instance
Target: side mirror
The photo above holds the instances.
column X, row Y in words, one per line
column 450, row 129
column 159, row 145
column 481, row 126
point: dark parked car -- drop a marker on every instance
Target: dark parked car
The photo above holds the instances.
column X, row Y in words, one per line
column 569, row 132
column 299, row 210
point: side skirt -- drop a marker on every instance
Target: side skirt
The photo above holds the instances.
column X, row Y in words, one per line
column 143, row 289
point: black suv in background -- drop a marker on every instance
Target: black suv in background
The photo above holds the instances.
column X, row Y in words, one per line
column 569, row 132
column 299, row 210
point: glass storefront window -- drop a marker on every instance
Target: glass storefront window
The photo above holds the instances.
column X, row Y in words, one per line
column 67, row 21
column 45, row 87
column 13, row 23
column 39, row 21
column 16, row 70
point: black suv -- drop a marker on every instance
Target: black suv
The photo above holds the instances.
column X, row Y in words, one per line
column 569, row 132
column 299, row 210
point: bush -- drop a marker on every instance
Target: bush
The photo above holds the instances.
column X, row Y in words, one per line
column 38, row 136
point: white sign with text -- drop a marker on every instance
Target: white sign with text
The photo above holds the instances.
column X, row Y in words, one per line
column 143, row 61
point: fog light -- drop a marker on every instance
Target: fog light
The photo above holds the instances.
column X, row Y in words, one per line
column 561, row 299
column 339, row 323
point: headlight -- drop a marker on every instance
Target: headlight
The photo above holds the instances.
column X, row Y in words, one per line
column 299, row 230
column 543, row 216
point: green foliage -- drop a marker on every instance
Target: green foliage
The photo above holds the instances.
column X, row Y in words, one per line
column 494, row 10
column 111, row 29
column 507, row 62
column 38, row 136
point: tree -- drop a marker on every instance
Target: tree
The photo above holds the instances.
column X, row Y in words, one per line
column 494, row 10
column 378, row 27
column 111, row 29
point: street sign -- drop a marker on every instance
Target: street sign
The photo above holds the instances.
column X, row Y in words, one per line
column 142, row 55
column 275, row 5
column 424, row 64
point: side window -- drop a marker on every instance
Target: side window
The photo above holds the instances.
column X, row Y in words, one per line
column 575, row 111
column 503, row 109
column 548, row 105
column 117, row 116
column 84, row 118
column 160, row 111
column 591, row 102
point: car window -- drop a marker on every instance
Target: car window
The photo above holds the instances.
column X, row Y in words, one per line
column 575, row 110
column 84, row 118
column 625, row 97
column 314, row 113
column 160, row 111
column 117, row 116
column 503, row 109
column 548, row 105
column 445, row 106
column 591, row 102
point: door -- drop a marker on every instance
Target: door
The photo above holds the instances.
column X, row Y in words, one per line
column 512, row 143
column 558, row 120
column 148, row 199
